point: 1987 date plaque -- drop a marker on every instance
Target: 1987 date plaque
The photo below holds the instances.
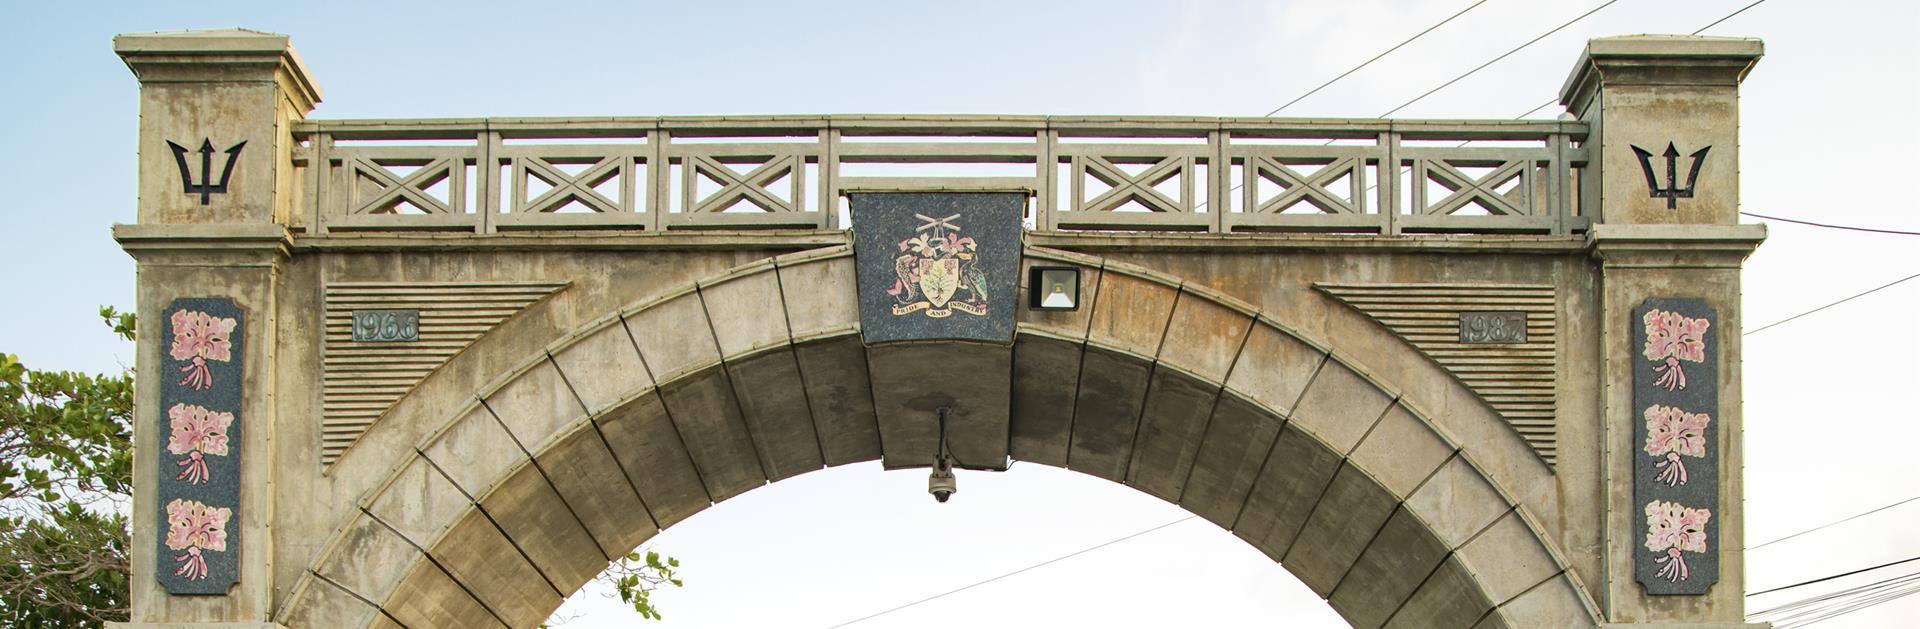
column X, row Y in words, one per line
column 1490, row 328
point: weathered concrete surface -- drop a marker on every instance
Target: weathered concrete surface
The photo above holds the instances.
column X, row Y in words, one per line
column 675, row 370
column 1348, row 519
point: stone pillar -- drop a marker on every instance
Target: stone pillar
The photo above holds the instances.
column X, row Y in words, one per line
column 215, row 186
column 1675, row 240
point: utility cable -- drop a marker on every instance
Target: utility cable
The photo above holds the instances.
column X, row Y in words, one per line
column 1495, row 60
column 1830, row 578
column 1530, row 112
column 1869, row 292
column 1831, row 226
column 1877, row 598
column 1009, row 574
column 1729, row 16
column 1814, row 608
column 1835, row 522
column 1377, row 57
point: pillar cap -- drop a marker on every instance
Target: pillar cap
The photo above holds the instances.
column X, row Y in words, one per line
column 1689, row 60
column 218, row 55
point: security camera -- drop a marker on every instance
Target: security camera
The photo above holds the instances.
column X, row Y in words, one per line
column 942, row 483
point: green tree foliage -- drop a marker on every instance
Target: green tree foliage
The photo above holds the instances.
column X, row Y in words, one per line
column 635, row 579
column 66, row 468
column 66, row 473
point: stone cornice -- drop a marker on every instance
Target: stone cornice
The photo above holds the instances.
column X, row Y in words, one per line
column 1657, row 60
column 224, row 55
column 213, row 245
column 1674, row 246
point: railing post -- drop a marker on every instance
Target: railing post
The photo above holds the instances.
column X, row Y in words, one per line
column 320, row 174
column 486, row 201
column 1046, row 172
column 1558, row 201
column 829, row 176
column 1389, row 184
column 1219, row 178
column 659, row 180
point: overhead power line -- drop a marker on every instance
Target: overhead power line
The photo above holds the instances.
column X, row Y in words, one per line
column 1009, row 574
column 1837, row 576
column 1814, row 609
column 1729, row 16
column 1377, row 57
column 1495, row 60
column 1833, row 523
column 1831, row 226
column 1869, row 292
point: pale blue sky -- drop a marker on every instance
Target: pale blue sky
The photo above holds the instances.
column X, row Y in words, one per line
column 1826, row 137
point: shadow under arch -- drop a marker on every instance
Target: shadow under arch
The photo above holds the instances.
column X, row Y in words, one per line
column 650, row 414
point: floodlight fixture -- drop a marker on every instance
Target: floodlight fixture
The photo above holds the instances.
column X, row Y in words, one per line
column 1053, row 288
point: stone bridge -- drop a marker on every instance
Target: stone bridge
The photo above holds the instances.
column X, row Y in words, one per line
column 436, row 373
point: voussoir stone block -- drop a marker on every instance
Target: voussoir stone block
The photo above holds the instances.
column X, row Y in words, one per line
column 1387, row 573
column 1204, row 337
column 1343, row 523
column 1553, row 603
column 535, row 405
column 1130, row 313
column 1237, row 440
column 475, row 451
column 674, row 337
column 651, row 453
column 368, row 559
column 774, row 403
column 486, row 563
column 1111, row 397
column 1458, row 502
column 747, row 311
column 1339, row 407
column 1046, row 373
column 1508, row 558
column 707, row 416
column 588, row 478
column 320, row 604
column 1274, row 368
column 1449, row 599
column 603, row 366
column 1292, row 480
column 428, row 597
column 543, row 526
column 819, row 296
column 840, row 391
column 1401, row 451
column 420, row 502
column 1171, row 425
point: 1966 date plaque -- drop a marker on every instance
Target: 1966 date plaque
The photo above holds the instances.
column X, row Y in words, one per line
column 1490, row 328
column 386, row 326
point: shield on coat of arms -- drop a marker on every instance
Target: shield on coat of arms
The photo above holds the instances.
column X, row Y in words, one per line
column 939, row 279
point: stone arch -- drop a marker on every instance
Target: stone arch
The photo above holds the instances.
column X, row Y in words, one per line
column 649, row 415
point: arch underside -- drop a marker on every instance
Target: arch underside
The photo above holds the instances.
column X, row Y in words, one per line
column 651, row 415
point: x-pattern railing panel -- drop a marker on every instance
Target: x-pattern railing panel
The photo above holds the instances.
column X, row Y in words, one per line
column 1310, row 189
column 1215, row 174
column 564, row 189
column 621, row 167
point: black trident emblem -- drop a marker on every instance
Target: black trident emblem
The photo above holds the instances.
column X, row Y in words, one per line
column 1673, row 192
column 206, row 188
